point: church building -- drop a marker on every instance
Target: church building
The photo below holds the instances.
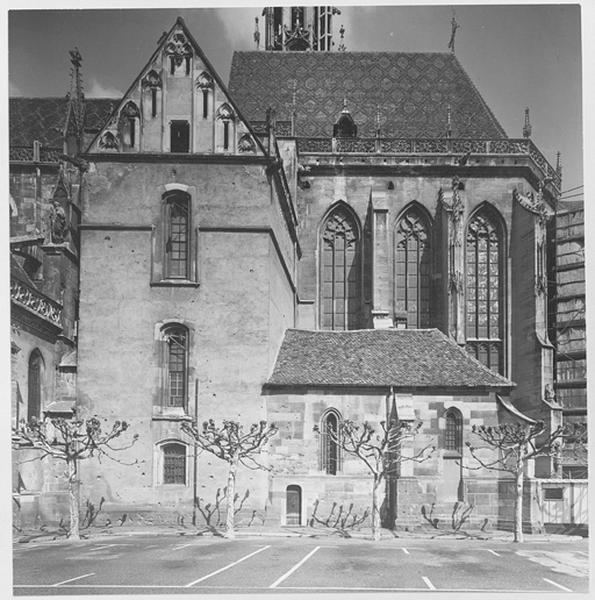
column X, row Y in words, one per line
column 328, row 235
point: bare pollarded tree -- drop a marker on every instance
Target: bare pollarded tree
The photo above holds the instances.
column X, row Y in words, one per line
column 380, row 449
column 236, row 446
column 71, row 441
column 516, row 443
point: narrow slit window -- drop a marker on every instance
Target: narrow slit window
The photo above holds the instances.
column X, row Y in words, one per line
column 154, row 102
column 226, row 135
column 205, row 104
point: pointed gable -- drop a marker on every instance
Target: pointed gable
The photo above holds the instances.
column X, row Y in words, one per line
column 177, row 104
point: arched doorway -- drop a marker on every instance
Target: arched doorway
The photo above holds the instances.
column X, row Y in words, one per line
column 293, row 505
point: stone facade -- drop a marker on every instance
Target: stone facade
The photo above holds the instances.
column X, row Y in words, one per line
column 203, row 237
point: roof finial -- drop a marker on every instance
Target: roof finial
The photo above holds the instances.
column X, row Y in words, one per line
column 76, row 98
column 345, row 110
column 293, row 106
column 341, row 47
column 378, row 120
column 453, row 32
column 559, row 164
column 256, row 33
column 448, row 122
column 527, row 125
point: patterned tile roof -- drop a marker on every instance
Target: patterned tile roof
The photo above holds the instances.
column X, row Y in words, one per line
column 391, row 357
column 43, row 119
column 412, row 91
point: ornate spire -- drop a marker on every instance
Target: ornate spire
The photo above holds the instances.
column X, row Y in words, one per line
column 454, row 26
column 341, row 47
column 559, row 164
column 76, row 97
column 256, row 33
column 448, row 122
column 527, row 125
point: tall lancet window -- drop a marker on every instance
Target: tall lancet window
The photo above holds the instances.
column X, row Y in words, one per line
column 412, row 268
column 340, row 271
column 484, row 289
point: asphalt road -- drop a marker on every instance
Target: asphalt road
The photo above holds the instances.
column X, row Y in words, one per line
column 149, row 564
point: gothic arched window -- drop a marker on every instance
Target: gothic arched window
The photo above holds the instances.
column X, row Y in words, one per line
column 340, row 271
column 330, row 454
column 484, row 289
column 453, row 435
column 412, row 268
column 34, row 385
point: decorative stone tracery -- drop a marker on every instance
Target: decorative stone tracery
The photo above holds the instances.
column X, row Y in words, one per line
column 204, row 81
column 109, row 141
column 225, row 112
column 34, row 301
column 152, row 80
column 246, row 143
column 178, row 48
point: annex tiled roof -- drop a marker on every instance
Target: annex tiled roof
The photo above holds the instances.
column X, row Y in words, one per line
column 389, row 357
column 43, row 119
column 411, row 91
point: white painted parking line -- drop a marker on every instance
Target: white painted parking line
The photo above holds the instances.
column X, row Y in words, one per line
column 73, row 579
column 493, row 552
column 583, row 553
column 557, row 585
column 294, row 568
column 237, row 562
column 428, row 583
column 405, row 550
column 180, row 547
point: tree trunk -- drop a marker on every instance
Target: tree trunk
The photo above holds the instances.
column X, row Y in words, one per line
column 73, row 497
column 231, row 492
column 376, row 508
column 518, row 501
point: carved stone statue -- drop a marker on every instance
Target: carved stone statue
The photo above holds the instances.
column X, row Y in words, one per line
column 59, row 225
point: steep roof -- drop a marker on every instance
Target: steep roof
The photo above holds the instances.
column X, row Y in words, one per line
column 390, row 357
column 411, row 90
column 43, row 119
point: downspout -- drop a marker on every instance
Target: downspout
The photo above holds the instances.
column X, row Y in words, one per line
column 195, row 464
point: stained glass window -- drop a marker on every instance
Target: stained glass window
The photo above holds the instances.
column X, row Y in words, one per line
column 412, row 268
column 340, row 272
column 174, row 463
column 484, row 287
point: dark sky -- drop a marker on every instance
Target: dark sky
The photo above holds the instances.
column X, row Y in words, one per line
column 517, row 55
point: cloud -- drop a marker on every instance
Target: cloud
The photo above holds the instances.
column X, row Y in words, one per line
column 239, row 25
column 97, row 90
column 13, row 90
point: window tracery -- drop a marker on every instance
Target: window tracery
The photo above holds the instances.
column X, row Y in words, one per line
column 340, row 271
column 484, row 289
column 412, row 268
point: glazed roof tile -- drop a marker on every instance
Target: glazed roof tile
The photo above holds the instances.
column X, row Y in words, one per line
column 383, row 357
column 412, row 92
column 43, row 119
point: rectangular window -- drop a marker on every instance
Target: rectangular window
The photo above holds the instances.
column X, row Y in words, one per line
column 174, row 464
column 178, row 238
column 176, row 360
column 226, row 135
column 180, row 136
